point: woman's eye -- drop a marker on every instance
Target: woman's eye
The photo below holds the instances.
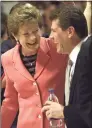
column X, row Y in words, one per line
column 35, row 31
column 26, row 34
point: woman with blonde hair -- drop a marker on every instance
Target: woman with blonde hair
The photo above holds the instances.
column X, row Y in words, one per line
column 31, row 68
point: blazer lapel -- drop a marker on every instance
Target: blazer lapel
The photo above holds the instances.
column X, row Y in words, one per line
column 42, row 60
column 18, row 64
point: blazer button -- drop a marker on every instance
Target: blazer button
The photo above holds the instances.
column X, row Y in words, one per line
column 34, row 83
column 38, row 105
column 39, row 116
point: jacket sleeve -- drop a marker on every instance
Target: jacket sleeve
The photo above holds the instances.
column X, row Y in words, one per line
column 10, row 103
column 73, row 118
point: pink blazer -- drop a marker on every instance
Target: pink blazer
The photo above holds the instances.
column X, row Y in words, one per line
column 28, row 94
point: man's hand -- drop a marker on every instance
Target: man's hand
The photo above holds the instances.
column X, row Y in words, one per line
column 53, row 110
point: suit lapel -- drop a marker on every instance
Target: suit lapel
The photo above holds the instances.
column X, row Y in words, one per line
column 74, row 80
column 76, row 75
column 42, row 60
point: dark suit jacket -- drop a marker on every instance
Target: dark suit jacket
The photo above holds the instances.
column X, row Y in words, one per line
column 78, row 114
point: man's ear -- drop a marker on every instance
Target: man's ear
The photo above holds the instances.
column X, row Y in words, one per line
column 71, row 32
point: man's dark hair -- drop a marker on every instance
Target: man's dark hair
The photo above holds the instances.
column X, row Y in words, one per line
column 70, row 15
column 46, row 4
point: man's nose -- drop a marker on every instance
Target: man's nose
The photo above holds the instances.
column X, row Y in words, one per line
column 51, row 35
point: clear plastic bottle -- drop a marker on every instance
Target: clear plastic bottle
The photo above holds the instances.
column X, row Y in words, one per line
column 54, row 123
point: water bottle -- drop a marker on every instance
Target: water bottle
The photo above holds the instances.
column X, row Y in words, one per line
column 54, row 123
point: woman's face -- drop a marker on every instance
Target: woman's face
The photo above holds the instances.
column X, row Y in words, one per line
column 29, row 37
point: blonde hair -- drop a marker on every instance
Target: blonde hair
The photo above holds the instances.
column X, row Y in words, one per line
column 20, row 14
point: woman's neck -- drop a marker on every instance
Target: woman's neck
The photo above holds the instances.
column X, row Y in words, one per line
column 28, row 52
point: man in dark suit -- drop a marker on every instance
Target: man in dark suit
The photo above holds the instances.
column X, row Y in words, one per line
column 78, row 114
column 69, row 29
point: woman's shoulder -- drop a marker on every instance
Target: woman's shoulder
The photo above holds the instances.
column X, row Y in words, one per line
column 47, row 44
column 44, row 44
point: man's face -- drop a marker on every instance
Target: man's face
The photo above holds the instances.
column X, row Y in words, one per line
column 60, row 37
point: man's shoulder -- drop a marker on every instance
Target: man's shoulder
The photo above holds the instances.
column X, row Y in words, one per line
column 87, row 43
column 84, row 59
column 86, row 47
column 7, row 45
column 9, row 52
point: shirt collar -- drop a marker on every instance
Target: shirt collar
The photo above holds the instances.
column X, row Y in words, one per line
column 88, row 36
column 73, row 55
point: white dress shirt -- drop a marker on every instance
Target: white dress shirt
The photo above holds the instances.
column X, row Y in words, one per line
column 70, row 71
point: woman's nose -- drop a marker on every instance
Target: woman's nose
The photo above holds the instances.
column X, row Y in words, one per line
column 32, row 37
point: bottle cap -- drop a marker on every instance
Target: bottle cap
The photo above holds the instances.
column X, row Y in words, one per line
column 51, row 90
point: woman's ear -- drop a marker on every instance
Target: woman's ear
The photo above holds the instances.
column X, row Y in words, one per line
column 71, row 31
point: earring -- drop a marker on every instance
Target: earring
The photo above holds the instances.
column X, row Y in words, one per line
column 17, row 41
